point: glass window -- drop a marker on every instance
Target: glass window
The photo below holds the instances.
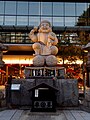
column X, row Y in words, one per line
column 34, row 21
column 22, row 20
column 69, row 9
column 34, row 8
column 46, row 8
column 3, row 36
column 47, row 18
column 22, row 8
column 69, row 21
column 10, row 20
column 58, row 9
column 80, row 8
column 58, row 21
column 13, row 36
column 10, row 7
column 1, row 20
column 7, row 37
column 1, row 7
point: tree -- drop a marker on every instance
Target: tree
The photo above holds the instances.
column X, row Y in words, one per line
column 69, row 47
column 84, row 19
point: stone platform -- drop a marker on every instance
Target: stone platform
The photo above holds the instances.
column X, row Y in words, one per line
column 86, row 100
column 15, row 114
column 67, row 94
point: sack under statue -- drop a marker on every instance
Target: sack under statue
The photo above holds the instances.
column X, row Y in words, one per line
column 44, row 44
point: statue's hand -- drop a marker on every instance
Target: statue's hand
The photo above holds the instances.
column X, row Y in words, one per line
column 35, row 29
column 51, row 35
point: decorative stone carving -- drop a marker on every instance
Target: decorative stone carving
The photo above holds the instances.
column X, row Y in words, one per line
column 2, row 47
column 45, row 41
column 1, row 54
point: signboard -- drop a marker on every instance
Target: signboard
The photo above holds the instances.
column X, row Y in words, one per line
column 15, row 87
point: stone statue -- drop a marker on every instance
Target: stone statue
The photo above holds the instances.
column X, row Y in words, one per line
column 2, row 48
column 44, row 41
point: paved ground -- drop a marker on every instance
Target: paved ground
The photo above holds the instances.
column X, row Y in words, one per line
column 15, row 114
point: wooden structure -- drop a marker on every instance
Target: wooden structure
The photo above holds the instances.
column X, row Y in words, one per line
column 44, row 71
column 43, row 98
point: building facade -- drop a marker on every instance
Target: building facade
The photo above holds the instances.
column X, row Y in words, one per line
column 17, row 18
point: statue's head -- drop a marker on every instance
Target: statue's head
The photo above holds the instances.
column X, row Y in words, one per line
column 45, row 22
column 45, row 26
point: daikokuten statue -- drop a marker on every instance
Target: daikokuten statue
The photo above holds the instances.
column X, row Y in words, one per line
column 45, row 42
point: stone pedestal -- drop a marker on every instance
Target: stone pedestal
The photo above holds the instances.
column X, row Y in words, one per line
column 67, row 95
column 87, row 47
column 86, row 101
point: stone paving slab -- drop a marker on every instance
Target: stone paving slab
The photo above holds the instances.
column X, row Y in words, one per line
column 15, row 114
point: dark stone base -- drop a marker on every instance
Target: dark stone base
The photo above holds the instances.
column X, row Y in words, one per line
column 67, row 95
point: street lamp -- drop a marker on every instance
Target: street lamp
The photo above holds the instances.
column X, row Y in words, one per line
column 87, row 47
column 1, row 54
column 2, row 48
column 84, row 52
column 86, row 101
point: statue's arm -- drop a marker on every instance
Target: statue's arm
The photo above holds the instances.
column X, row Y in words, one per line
column 55, row 41
column 32, row 35
column 53, row 38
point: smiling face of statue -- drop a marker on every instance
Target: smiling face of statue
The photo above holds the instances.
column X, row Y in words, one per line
column 45, row 27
